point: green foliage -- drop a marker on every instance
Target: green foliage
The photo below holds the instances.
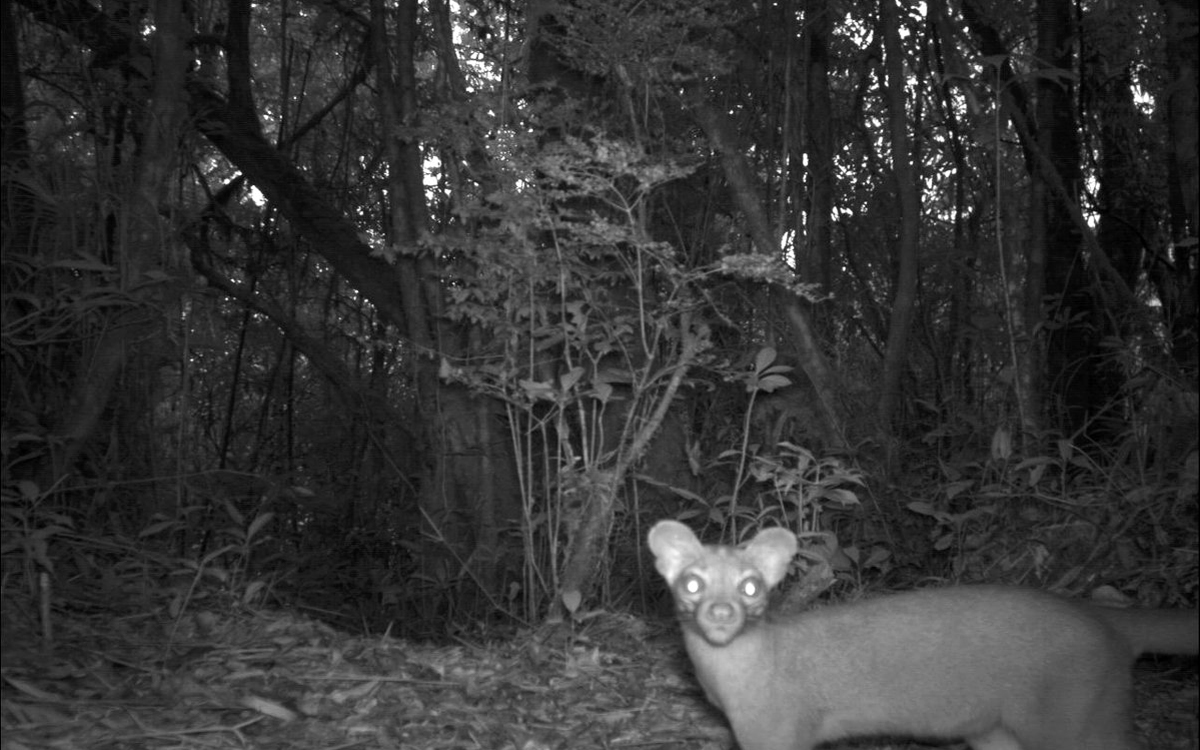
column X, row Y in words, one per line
column 586, row 323
column 51, row 555
column 1061, row 519
column 587, row 246
column 231, row 565
column 668, row 42
column 756, row 267
column 785, row 484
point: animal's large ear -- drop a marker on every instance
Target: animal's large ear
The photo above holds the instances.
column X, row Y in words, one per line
column 674, row 547
column 770, row 551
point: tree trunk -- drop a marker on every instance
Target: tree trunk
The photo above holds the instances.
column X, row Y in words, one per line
column 819, row 146
column 1066, row 286
column 908, row 191
column 145, row 244
column 747, row 197
column 457, row 488
column 1127, row 215
column 1175, row 277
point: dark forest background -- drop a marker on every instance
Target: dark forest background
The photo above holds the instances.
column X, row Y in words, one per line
column 416, row 315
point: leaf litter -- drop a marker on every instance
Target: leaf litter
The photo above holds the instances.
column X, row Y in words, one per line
column 116, row 678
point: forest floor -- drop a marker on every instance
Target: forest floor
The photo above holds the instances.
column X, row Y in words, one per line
column 114, row 676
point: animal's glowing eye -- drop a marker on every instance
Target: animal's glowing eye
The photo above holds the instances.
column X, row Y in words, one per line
column 751, row 587
column 692, row 584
